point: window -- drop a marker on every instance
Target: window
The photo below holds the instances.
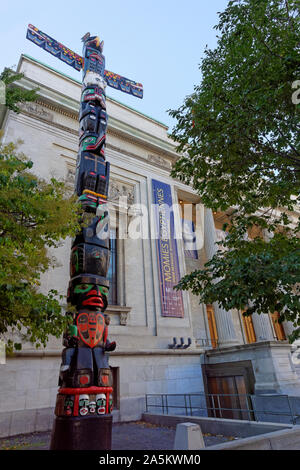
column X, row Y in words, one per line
column 212, row 326
column 112, row 270
column 278, row 328
column 249, row 329
column 188, row 214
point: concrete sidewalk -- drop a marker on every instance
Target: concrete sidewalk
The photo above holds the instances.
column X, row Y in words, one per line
column 136, row 435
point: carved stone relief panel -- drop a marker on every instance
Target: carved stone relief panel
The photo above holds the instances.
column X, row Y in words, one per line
column 158, row 160
column 117, row 188
column 71, row 170
column 38, row 110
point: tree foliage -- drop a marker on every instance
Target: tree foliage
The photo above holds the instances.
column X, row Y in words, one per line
column 15, row 95
column 238, row 134
column 34, row 215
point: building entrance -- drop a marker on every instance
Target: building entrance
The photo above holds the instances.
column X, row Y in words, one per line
column 228, row 387
column 227, row 397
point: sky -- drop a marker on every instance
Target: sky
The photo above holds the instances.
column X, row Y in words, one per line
column 158, row 43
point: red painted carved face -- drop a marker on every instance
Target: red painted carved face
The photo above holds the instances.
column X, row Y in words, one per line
column 90, row 327
column 94, row 298
column 91, row 296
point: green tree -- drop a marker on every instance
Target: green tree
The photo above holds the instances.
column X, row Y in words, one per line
column 34, row 216
column 239, row 137
column 14, row 94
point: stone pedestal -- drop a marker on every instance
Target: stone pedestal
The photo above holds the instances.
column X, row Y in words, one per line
column 82, row 433
column 188, row 437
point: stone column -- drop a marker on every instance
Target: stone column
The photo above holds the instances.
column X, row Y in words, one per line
column 262, row 327
column 224, row 321
column 288, row 327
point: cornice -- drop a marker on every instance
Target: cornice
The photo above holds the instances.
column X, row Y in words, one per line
column 121, row 352
column 66, row 106
column 135, row 156
column 146, row 140
column 248, row 347
column 78, row 83
column 49, row 123
column 57, row 109
column 50, row 96
column 120, row 134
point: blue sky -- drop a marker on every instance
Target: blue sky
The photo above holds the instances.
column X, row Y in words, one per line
column 159, row 43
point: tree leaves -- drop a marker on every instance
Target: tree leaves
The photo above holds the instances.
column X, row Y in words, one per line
column 16, row 95
column 246, row 128
column 238, row 135
column 34, row 215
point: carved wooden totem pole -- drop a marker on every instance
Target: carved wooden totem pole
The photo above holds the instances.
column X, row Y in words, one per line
column 84, row 403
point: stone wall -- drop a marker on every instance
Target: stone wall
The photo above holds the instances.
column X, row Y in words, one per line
column 28, row 386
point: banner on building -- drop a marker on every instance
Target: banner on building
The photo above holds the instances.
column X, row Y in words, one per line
column 169, row 273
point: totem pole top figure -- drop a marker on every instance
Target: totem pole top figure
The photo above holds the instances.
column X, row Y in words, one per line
column 76, row 61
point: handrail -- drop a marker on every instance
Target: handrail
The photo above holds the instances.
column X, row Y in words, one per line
column 219, row 406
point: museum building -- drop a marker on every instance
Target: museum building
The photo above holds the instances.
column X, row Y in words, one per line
column 214, row 351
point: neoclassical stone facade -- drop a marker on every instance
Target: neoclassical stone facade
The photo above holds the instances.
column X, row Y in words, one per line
column 139, row 150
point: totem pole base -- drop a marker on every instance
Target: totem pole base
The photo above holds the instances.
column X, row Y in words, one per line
column 82, row 433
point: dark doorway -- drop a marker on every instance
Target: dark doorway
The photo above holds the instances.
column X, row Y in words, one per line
column 116, row 387
column 228, row 388
column 227, row 397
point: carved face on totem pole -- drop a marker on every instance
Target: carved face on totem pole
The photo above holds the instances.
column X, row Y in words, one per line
column 93, row 41
column 90, row 327
column 92, row 407
column 83, row 405
column 94, row 79
column 92, row 50
column 90, row 296
column 68, row 405
column 101, row 403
